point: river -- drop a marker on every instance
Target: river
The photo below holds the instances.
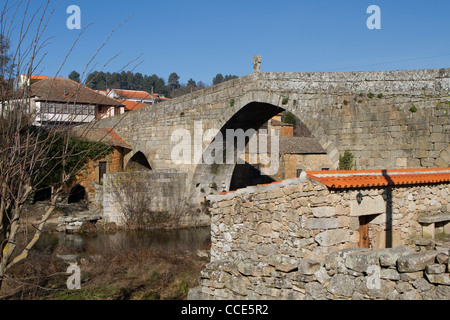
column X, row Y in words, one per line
column 172, row 240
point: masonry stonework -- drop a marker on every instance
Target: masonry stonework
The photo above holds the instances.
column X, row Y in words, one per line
column 163, row 190
column 274, row 241
column 298, row 219
column 392, row 119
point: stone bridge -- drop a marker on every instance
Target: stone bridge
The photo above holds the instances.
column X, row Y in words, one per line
column 391, row 119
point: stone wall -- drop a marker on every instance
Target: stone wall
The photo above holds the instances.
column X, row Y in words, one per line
column 358, row 274
column 260, row 236
column 165, row 190
column 301, row 217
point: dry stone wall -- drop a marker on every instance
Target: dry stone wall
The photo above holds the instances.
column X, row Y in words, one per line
column 358, row 274
column 298, row 218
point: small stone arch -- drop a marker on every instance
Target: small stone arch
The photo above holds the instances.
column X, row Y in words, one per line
column 138, row 162
column 77, row 194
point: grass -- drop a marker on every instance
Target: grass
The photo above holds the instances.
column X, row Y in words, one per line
column 122, row 272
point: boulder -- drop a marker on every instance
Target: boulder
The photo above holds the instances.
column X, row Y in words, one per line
column 437, row 293
column 416, row 261
column 333, row 237
column 196, row 294
column 360, row 261
column 435, row 268
column 336, row 260
column 443, row 278
column 341, row 285
column 389, row 257
column 308, row 267
column 314, row 291
column 442, row 258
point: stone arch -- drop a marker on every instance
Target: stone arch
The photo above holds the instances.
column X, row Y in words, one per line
column 250, row 110
column 288, row 102
column 444, row 158
column 77, row 194
column 138, row 162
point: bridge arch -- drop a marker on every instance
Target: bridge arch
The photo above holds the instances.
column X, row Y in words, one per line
column 247, row 112
column 138, row 162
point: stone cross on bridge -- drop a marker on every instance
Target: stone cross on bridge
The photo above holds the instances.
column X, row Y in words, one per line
column 390, row 119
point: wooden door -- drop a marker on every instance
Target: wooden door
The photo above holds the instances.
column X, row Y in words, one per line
column 101, row 171
column 364, row 240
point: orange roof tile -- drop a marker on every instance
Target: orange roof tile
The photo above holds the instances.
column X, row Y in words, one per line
column 138, row 95
column 133, row 105
column 35, row 76
column 132, row 94
column 380, row 178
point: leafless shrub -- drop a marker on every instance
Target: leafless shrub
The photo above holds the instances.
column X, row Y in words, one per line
column 26, row 150
column 133, row 192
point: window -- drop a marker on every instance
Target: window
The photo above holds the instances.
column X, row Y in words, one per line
column 299, row 172
column 325, row 169
column 44, row 108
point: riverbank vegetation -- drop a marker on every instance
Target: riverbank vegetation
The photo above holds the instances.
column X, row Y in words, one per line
column 122, row 271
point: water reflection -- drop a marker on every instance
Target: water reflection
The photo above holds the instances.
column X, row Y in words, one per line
column 173, row 240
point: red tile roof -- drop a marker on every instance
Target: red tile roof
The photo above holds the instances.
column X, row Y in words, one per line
column 380, row 178
column 133, row 105
column 138, row 95
column 370, row 178
column 68, row 91
column 35, row 77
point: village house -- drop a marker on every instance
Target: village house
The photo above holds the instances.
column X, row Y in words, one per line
column 89, row 183
column 63, row 101
column 141, row 98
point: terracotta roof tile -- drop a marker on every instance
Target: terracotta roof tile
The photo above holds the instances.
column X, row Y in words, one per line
column 68, row 91
column 35, row 77
column 133, row 94
column 134, row 105
column 380, row 178
column 372, row 178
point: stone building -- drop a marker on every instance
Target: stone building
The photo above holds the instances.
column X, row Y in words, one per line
column 56, row 101
column 90, row 180
column 310, row 238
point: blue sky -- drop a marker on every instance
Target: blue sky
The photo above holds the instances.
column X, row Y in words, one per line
column 200, row 38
